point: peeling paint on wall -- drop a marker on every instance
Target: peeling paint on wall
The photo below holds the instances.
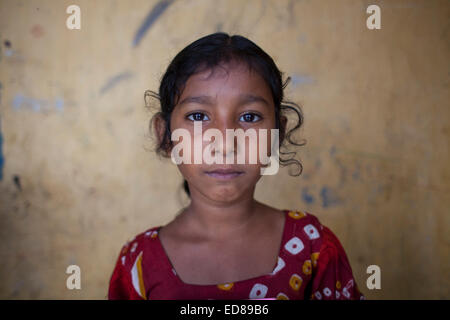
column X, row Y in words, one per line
column 21, row 101
column 301, row 79
column 153, row 15
column 329, row 198
column 113, row 81
column 306, row 196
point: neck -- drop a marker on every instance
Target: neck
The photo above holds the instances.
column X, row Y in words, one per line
column 221, row 220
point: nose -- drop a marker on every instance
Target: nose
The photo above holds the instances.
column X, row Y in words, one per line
column 228, row 148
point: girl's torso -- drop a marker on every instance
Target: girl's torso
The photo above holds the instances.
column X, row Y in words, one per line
column 242, row 256
column 310, row 263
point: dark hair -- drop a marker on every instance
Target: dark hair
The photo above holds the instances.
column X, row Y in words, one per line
column 207, row 53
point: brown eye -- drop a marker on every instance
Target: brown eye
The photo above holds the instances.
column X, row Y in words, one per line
column 250, row 117
column 196, row 116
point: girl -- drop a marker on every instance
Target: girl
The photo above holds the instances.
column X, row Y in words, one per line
column 225, row 244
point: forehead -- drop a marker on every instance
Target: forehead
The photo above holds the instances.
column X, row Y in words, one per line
column 227, row 79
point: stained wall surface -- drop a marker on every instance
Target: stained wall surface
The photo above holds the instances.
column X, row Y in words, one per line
column 78, row 177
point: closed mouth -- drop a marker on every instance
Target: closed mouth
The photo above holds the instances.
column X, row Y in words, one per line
column 224, row 173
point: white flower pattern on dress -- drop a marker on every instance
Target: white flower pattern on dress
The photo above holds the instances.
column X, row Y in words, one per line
column 311, row 232
column 294, row 246
column 258, row 291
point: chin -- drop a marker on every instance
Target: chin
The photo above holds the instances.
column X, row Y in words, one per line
column 224, row 193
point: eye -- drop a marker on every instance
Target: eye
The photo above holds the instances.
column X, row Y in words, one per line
column 250, row 117
column 196, row 116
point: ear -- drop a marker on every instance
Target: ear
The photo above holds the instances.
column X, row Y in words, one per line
column 160, row 129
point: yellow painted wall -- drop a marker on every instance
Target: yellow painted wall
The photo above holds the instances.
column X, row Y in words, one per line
column 77, row 180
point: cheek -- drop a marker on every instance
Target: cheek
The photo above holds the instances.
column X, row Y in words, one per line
column 188, row 171
column 260, row 147
column 182, row 144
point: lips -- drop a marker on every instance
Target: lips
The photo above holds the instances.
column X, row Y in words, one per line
column 224, row 173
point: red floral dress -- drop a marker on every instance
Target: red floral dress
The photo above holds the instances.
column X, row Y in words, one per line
column 312, row 264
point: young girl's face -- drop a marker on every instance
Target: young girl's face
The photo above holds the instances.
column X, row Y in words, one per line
column 228, row 97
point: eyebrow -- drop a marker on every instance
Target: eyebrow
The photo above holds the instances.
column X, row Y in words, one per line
column 250, row 98
column 208, row 100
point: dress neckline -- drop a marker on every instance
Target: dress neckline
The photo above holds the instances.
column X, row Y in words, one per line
column 174, row 273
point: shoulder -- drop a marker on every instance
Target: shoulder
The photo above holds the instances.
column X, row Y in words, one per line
column 127, row 279
column 323, row 245
column 329, row 267
column 309, row 229
column 133, row 249
column 305, row 224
